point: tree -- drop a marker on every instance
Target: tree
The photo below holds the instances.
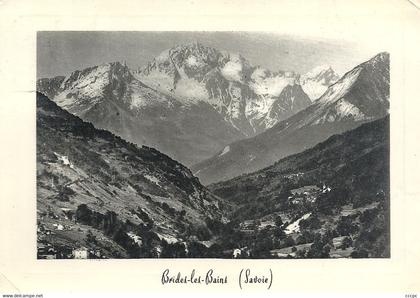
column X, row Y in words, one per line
column 215, row 251
column 278, row 221
column 196, row 250
column 312, row 223
column 83, row 214
column 300, row 240
column 173, row 250
column 347, row 242
column 289, row 241
column 279, row 233
column 345, row 227
column 90, row 238
column 358, row 254
column 320, row 248
column 301, row 253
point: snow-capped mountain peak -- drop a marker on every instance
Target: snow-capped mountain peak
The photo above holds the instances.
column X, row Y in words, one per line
column 361, row 95
column 319, row 71
column 265, row 82
column 242, row 93
column 316, row 81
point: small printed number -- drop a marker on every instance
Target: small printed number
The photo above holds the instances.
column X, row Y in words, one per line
column 410, row 295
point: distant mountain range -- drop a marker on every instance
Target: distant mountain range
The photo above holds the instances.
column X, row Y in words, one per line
column 361, row 95
column 189, row 102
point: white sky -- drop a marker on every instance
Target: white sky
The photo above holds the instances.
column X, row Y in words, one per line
column 61, row 52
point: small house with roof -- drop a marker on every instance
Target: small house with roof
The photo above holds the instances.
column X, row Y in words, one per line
column 81, row 253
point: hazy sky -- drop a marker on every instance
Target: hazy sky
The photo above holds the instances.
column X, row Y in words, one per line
column 61, row 52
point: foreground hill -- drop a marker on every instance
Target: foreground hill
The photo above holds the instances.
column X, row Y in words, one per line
column 98, row 191
column 361, row 95
column 329, row 201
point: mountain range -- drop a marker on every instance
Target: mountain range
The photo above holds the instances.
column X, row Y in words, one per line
column 361, row 95
column 189, row 102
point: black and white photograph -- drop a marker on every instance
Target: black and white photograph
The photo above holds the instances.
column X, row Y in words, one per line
column 209, row 148
column 243, row 145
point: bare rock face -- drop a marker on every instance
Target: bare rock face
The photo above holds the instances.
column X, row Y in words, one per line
column 361, row 95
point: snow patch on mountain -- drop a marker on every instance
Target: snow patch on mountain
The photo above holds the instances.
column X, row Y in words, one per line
column 314, row 89
column 260, row 107
column 233, row 108
column 225, row 150
column 83, row 85
column 192, row 61
column 157, row 80
column 143, row 97
column 191, row 90
column 317, row 70
column 232, row 70
column 265, row 83
column 317, row 81
column 344, row 108
column 340, row 88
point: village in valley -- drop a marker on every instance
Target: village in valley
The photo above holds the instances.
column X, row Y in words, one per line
column 50, row 228
column 62, row 221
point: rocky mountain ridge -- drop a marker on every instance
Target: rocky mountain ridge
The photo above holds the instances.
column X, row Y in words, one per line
column 361, row 95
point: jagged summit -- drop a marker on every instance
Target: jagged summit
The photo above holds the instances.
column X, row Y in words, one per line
column 243, row 94
column 382, row 56
column 316, row 81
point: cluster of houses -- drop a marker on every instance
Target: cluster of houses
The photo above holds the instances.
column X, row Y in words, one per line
column 306, row 194
column 248, row 226
column 294, row 175
column 47, row 251
column 84, row 253
column 42, row 230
